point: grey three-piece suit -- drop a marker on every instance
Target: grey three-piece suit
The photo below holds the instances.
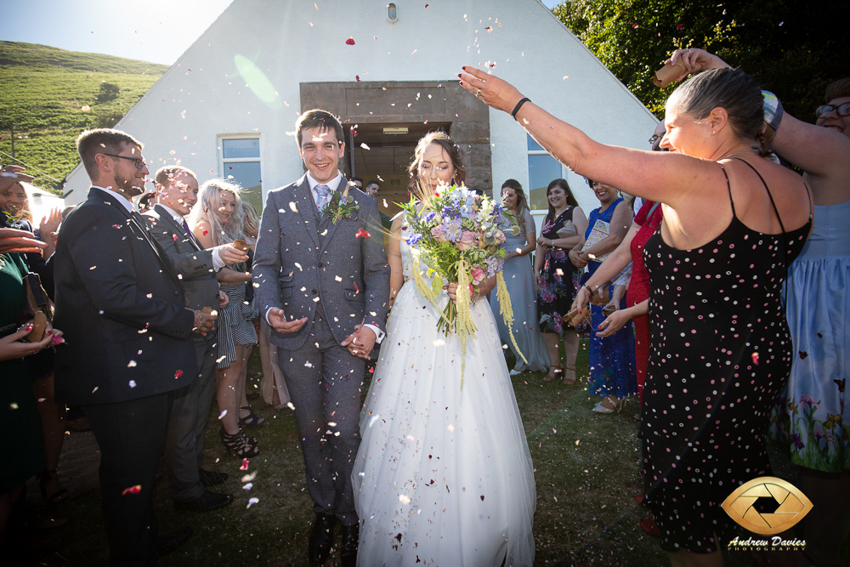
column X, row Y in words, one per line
column 313, row 268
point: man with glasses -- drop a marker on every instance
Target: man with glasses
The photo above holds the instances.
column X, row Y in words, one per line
column 128, row 346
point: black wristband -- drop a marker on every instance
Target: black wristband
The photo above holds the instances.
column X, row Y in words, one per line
column 519, row 105
column 588, row 288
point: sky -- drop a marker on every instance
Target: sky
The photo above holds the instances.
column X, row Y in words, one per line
column 157, row 31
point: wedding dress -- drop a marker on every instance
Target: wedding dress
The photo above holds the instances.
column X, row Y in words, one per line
column 443, row 476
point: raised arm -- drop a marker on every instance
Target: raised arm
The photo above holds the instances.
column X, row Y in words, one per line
column 658, row 176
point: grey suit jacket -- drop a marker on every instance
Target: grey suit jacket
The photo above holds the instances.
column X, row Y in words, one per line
column 303, row 264
column 193, row 263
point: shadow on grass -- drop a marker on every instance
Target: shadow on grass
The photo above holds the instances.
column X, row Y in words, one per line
column 587, row 469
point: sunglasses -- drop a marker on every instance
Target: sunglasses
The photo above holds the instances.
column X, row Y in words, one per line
column 841, row 110
column 140, row 164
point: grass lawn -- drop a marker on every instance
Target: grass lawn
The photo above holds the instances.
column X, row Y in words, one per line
column 587, row 472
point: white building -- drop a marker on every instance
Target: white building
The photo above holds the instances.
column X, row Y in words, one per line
column 229, row 104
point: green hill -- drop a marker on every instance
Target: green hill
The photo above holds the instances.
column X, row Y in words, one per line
column 50, row 95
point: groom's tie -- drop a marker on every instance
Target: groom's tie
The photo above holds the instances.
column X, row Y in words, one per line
column 189, row 234
column 323, row 192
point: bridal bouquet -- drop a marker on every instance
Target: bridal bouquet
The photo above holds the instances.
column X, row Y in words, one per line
column 457, row 234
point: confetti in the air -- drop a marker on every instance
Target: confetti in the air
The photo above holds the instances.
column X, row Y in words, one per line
column 244, row 466
column 349, row 41
column 404, row 498
column 362, row 234
column 251, row 502
column 132, row 490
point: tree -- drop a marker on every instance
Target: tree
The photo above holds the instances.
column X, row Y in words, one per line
column 793, row 48
column 108, row 92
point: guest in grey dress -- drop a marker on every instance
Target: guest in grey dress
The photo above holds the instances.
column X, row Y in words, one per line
column 520, row 281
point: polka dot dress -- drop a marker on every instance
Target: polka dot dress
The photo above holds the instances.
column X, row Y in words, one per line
column 720, row 353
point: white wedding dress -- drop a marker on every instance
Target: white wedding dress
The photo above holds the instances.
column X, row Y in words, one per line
column 443, row 476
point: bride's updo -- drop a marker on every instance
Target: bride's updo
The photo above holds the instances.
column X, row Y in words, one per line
column 452, row 150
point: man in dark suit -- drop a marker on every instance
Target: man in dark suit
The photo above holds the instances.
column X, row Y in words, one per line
column 176, row 194
column 324, row 288
column 120, row 303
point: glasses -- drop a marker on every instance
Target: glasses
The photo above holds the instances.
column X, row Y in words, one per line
column 654, row 138
column 140, row 164
column 841, row 110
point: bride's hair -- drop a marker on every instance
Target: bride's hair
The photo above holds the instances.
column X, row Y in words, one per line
column 454, row 152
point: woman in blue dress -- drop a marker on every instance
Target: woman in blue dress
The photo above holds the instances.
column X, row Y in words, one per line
column 612, row 359
column 519, row 279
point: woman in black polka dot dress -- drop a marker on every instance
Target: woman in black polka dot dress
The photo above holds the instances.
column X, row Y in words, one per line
column 720, row 349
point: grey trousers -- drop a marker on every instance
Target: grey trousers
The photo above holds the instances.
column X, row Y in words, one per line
column 184, row 440
column 324, row 384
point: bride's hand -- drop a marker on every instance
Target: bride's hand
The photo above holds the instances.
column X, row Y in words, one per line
column 491, row 90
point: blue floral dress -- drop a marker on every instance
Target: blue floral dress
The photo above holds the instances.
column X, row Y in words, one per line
column 612, row 359
column 555, row 290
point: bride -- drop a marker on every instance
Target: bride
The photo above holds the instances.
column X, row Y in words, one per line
column 443, row 475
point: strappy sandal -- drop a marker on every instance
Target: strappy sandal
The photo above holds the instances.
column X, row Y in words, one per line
column 569, row 381
column 238, row 444
column 252, row 420
column 57, row 497
column 553, row 373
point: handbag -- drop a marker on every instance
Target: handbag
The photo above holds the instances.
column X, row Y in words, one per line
column 38, row 307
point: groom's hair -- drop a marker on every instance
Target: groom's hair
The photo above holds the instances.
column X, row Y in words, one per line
column 317, row 118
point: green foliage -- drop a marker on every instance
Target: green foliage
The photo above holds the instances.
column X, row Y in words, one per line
column 793, row 48
column 51, row 95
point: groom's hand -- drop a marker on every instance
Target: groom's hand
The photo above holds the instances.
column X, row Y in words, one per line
column 278, row 321
column 360, row 342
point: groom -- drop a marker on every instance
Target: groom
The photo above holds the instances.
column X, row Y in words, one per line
column 323, row 285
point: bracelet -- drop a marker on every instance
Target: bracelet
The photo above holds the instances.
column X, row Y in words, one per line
column 588, row 288
column 519, row 105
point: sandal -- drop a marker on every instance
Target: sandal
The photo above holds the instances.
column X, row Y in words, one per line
column 238, row 444
column 57, row 497
column 252, row 420
column 553, row 373
column 612, row 406
column 569, row 381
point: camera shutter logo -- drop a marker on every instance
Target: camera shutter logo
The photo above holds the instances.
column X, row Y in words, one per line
column 793, row 505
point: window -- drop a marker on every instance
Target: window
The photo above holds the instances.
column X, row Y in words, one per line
column 542, row 169
column 240, row 163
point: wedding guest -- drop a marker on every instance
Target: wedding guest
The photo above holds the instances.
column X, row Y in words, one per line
column 272, row 385
column 519, row 279
column 146, row 202
column 555, row 277
column 700, row 443
column 612, row 357
column 372, row 189
column 120, row 304
column 21, row 454
column 176, row 194
column 630, row 249
column 217, row 219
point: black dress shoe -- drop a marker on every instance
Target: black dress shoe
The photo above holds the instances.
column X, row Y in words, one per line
column 211, row 478
column 350, row 536
column 169, row 542
column 208, row 501
column 321, row 538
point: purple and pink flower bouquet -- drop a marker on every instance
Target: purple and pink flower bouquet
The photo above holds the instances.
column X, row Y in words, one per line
column 457, row 234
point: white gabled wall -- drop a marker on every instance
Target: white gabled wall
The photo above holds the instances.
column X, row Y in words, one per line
column 278, row 44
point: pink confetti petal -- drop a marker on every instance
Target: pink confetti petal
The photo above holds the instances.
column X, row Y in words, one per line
column 132, row 490
column 244, row 466
column 349, row 41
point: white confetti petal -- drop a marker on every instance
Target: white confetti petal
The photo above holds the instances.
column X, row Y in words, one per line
column 404, row 498
column 251, row 502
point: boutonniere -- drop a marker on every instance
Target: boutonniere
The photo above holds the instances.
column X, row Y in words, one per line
column 341, row 206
